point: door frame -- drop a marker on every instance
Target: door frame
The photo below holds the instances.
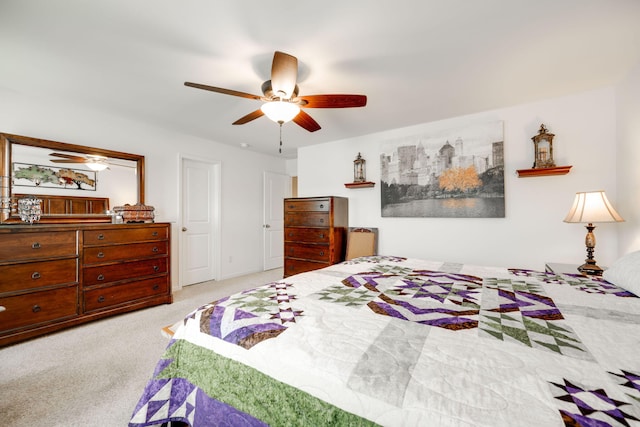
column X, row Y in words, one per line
column 216, row 198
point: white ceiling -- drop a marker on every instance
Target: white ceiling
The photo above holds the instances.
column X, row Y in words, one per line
column 416, row 60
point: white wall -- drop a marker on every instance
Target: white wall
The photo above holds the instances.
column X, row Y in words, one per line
column 242, row 171
column 531, row 234
column 628, row 168
column 532, row 231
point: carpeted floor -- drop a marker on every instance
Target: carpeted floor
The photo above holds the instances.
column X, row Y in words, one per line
column 93, row 375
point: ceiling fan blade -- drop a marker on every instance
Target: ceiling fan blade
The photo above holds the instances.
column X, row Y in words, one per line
column 333, row 101
column 284, row 75
column 78, row 159
column 306, row 121
column 249, row 117
column 222, row 90
column 68, row 161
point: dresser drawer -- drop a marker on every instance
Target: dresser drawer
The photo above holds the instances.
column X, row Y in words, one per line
column 295, row 266
column 31, row 275
column 120, row 235
column 318, row 205
column 306, row 235
column 311, row 252
column 102, row 274
column 101, row 298
column 38, row 307
column 98, row 254
column 16, row 247
column 307, row 219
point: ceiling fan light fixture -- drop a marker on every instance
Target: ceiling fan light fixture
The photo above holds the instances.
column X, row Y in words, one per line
column 96, row 165
column 280, row 111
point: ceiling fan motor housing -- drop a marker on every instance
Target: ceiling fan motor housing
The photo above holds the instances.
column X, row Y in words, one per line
column 267, row 90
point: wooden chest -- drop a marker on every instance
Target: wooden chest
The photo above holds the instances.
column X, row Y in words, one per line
column 315, row 230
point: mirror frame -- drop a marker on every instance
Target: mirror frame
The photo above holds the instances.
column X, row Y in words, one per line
column 6, row 143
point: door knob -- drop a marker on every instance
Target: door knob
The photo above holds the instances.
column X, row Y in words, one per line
column 267, row 226
column 184, row 228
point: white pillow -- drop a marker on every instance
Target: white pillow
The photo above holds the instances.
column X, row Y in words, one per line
column 625, row 273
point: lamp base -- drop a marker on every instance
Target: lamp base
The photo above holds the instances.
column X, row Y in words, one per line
column 590, row 269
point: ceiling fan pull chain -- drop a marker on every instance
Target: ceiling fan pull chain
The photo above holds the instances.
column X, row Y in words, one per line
column 280, row 148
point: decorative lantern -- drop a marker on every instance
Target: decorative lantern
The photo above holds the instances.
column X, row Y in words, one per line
column 359, row 169
column 543, row 149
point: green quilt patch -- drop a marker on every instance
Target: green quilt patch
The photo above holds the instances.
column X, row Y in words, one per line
column 251, row 391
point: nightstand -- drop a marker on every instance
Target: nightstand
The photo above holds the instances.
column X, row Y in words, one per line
column 560, row 268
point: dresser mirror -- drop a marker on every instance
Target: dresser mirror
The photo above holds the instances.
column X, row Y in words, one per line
column 76, row 183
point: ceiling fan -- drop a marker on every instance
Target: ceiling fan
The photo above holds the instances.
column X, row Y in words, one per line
column 92, row 161
column 281, row 100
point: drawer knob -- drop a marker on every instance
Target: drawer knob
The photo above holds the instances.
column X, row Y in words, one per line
column 154, row 234
column 36, row 308
column 35, row 275
column 322, row 235
column 155, row 249
column 100, row 255
column 156, row 287
column 156, row 268
column 101, row 298
column 321, row 219
column 322, row 253
column 35, row 245
column 100, row 277
column 100, row 236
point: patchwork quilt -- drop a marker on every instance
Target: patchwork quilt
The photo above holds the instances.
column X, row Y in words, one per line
column 393, row 341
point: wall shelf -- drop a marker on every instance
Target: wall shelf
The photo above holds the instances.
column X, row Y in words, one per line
column 360, row 184
column 558, row 170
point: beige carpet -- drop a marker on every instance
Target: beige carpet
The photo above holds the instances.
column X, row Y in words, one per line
column 93, row 375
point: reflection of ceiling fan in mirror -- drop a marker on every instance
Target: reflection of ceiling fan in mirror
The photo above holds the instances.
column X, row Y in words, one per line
column 92, row 161
column 281, row 100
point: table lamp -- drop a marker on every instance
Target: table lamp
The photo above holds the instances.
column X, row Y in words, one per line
column 590, row 207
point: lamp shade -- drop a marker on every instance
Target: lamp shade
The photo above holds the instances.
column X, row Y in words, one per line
column 592, row 207
column 280, row 111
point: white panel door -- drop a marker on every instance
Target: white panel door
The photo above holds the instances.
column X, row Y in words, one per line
column 198, row 216
column 277, row 187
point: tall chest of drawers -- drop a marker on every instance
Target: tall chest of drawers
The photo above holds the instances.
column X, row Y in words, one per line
column 315, row 231
column 56, row 276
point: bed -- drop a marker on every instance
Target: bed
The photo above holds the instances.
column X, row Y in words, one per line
column 395, row 341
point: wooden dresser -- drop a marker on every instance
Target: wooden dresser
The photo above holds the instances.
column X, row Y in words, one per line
column 56, row 276
column 315, row 230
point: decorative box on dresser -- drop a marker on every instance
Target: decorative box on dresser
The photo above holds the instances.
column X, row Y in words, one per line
column 315, row 230
column 56, row 276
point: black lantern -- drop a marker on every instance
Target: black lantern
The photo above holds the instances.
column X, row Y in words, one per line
column 359, row 169
column 543, row 149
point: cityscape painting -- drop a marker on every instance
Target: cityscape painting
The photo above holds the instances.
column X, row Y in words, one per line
column 456, row 173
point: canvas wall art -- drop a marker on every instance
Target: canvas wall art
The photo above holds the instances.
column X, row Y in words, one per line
column 456, row 173
column 28, row 175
